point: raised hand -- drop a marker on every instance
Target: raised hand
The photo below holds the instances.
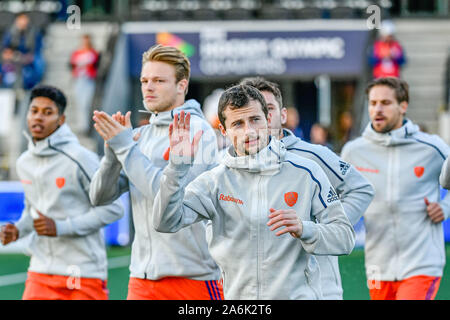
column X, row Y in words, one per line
column 107, row 127
column 125, row 120
column 179, row 136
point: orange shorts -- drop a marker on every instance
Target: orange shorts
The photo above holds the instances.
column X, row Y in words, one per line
column 413, row 288
column 53, row 287
column 174, row 288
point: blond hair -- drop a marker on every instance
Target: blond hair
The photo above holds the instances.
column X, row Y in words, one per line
column 172, row 56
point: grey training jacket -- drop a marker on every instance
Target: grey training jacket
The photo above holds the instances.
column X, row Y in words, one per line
column 56, row 173
column 444, row 179
column 137, row 167
column 235, row 197
column 404, row 167
column 355, row 193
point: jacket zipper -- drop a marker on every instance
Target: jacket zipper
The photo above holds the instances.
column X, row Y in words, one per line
column 40, row 196
column 391, row 204
column 258, row 235
column 148, row 155
column 150, row 251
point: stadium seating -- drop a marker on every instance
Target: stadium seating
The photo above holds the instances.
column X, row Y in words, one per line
column 308, row 13
column 238, row 14
column 143, row 15
column 342, row 12
column 204, row 14
column 6, row 20
column 275, row 13
column 173, row 14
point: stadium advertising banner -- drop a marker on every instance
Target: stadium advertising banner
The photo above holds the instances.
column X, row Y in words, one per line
column 220, row 52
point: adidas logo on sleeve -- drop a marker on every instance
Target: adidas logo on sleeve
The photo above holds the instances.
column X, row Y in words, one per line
column 332, row 196
column 344, row 166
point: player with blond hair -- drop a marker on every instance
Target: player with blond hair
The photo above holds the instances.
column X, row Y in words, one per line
column 163, row 266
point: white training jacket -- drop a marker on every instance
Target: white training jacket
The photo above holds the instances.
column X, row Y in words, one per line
column 404, row 166
column 355, row 193
column 157, row 255
column 56, row 174
column 235, row 197
column 444, row 179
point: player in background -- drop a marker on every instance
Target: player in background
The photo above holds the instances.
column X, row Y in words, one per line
column 404, row 245
column 355, row 191
column 68, row 260
column 163, row 266
column 265, row 227
column 444, row 179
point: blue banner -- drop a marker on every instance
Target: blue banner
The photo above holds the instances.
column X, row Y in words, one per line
column 220, row 53
column 12, row 204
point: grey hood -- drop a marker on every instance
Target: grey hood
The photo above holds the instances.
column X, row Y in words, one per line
column 398, row 136
column 266, row 161
column 289, row 138
column 166, row 118
column 46, row 147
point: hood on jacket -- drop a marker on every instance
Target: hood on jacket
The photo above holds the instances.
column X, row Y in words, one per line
column 266, row 161
column 289, row 138
column 165, row 118
column 44, row 148
column 395, row 137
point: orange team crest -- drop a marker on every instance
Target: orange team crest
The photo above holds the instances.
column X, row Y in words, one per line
column 60, row 182
column 166, row 154
column 419, row 171
column 291, row 198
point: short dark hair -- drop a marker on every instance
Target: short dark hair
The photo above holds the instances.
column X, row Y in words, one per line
column 264, row 85
column 400, row 87
column 52, row 93
column 239, row 96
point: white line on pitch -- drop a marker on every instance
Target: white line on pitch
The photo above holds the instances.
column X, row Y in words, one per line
column 16, row 278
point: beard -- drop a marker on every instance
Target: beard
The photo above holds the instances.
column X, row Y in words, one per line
column 388, row 127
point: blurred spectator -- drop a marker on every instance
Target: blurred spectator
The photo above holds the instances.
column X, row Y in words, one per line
column 320, row 135
column 144, row 119
column 423, row 127
column 293, row 122
column 22, row 64
column 210, row 111
column 84, row 62
column 387, row 56
column 210, row 108
column 344, row 130
column 8, row 68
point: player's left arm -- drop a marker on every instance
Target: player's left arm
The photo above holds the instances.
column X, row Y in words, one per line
column 96, row 217
column 356, row 193
column 354, row 190
column 330, row 234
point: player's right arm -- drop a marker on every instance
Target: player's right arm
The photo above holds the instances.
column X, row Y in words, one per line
column 108, row 182
column 12, row 232
column 177, row 205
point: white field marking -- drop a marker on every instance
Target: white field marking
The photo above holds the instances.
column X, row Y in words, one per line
column 16, row 278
